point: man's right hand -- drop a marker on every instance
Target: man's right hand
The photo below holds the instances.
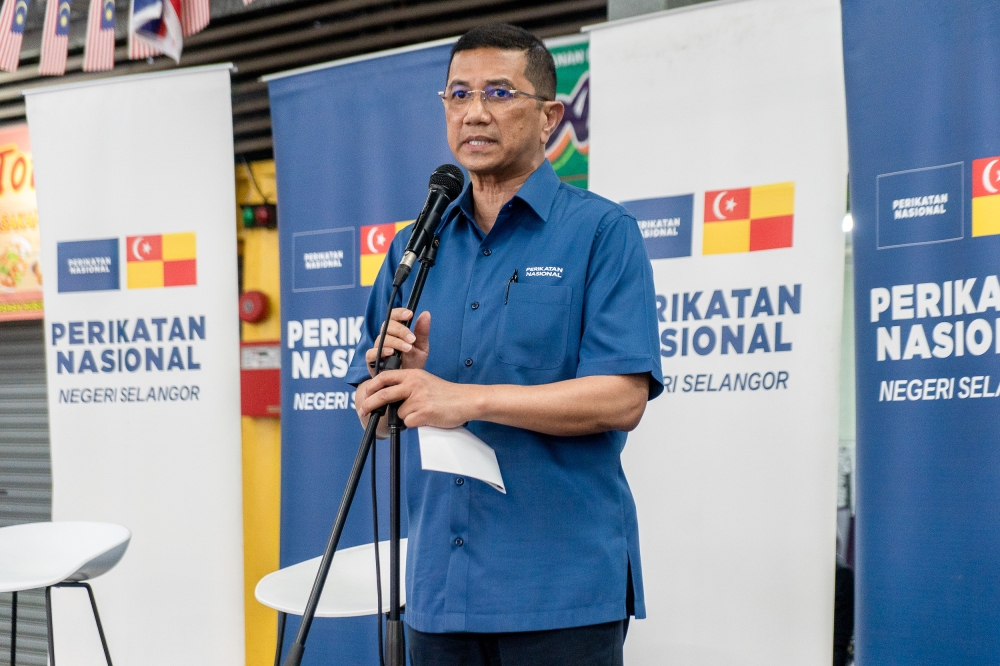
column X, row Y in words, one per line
column 413, row 345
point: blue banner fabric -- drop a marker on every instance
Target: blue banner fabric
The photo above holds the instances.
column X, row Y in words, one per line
column 923, row 84
column 354, row 146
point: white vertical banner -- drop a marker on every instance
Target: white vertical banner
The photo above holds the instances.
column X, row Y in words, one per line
column 722, row 128
column 135, row 186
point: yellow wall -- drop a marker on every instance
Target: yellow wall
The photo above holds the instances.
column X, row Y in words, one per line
column 261, row 436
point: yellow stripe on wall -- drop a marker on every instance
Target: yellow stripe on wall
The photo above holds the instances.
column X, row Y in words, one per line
column 261, row 518
column 261, row 436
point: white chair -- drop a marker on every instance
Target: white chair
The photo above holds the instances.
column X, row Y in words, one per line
column 349, row 590
column 61, row 554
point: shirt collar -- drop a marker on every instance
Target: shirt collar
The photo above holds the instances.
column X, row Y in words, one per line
column 539, row 191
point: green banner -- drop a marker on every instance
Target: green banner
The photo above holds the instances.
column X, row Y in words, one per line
column 569, row 146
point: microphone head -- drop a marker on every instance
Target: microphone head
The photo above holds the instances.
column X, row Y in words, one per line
column 449, row 179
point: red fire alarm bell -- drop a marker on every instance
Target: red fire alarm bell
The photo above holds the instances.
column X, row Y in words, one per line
column 253, row 306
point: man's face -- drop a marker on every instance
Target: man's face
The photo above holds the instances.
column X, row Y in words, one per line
column 491, row 138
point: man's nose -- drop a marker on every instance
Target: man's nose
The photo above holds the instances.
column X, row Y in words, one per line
column 477, row 112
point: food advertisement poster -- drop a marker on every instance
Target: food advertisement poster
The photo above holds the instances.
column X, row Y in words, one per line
column 20, row 266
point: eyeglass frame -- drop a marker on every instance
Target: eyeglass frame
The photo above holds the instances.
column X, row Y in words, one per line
column 483, row 94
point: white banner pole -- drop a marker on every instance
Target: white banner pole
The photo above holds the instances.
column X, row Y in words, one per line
column 734, row 469
column 136, row 198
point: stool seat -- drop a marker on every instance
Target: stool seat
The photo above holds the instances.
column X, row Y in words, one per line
column 60, row 554
column 39, row 555
column 350, row 586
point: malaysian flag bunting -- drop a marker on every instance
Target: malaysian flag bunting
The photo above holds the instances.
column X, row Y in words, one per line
column 154, row 28
column 55, row 38
column 99, row 51
column 195, row 15
column 12, row 18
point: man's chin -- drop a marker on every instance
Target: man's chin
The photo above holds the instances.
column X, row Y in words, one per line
column 478, row 163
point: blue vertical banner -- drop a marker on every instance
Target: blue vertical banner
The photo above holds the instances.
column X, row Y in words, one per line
column 923, row 101
column 354, row 144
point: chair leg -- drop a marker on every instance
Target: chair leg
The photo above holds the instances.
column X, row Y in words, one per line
column 13, row 629
column 48, row 622
column 97, row 618
column 281, row 638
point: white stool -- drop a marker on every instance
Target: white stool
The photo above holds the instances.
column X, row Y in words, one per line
column 63, row 554
column 349, row 590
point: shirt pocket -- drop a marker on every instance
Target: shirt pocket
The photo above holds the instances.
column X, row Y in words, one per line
column 534, row 326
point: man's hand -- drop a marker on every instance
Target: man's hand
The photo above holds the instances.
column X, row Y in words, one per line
column 581, row 406
column 427, row 400
column 412, row 344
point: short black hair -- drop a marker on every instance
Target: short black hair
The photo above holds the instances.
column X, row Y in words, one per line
column 541, row 68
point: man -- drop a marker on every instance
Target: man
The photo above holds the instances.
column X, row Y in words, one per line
column 543, row 344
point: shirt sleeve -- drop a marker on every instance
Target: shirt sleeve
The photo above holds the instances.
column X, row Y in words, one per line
column 620, row 333
column 375, row 311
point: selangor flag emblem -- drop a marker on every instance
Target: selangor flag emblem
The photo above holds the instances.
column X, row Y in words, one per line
column 749, row 219
column 166, row 260
column 375, row 241
column 986, row 196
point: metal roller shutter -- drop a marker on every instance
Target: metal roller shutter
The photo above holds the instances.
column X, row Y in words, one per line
column 25, row 471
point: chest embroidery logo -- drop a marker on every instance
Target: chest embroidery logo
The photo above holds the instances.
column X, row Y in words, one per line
column 544, row 271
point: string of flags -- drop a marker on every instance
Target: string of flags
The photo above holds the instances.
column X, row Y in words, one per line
column 155, row 27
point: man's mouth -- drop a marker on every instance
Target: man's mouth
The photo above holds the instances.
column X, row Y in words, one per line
column 479, row 142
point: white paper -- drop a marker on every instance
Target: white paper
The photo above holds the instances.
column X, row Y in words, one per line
column 458, row 451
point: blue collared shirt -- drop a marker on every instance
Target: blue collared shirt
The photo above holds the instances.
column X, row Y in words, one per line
column 555, row 551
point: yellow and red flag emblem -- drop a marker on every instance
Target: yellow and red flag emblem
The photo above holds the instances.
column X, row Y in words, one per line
column 986, row 196
column 749, row 219
column 163, row 260
column 375, row 241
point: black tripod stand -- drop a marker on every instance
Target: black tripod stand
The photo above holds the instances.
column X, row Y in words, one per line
column 395, row 642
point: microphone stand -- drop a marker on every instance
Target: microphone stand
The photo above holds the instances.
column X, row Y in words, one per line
column 395, row 637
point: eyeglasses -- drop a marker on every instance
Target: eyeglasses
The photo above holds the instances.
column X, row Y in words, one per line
column 494, row 96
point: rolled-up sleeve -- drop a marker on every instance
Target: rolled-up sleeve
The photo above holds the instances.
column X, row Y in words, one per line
column 620, row 335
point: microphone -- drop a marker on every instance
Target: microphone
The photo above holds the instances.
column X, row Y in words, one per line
column 445, row 185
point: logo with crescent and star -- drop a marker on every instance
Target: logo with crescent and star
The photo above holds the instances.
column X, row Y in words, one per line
column 142, row 250
column 986, row 196
column 729, row 205
column 375, row 240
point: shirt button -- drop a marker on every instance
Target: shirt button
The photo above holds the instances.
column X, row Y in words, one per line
column 458, row 541
column 468, row 362
column 487, row 252
column 459, row 481
column 475, row 306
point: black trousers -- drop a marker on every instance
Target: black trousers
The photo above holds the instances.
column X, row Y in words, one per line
column 593, row 645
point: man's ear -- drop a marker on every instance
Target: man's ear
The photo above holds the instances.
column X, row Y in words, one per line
column 553, row 115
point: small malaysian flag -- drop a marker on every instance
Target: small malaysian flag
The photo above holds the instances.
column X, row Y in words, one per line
column 195, row 15
column 12, row 18
column 55, row 38
column 99, row 51
column 154, row 28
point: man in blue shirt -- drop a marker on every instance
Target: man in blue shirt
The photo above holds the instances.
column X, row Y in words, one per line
column 543, row 344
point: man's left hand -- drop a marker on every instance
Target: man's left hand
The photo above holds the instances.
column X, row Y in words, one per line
column 427, row 400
